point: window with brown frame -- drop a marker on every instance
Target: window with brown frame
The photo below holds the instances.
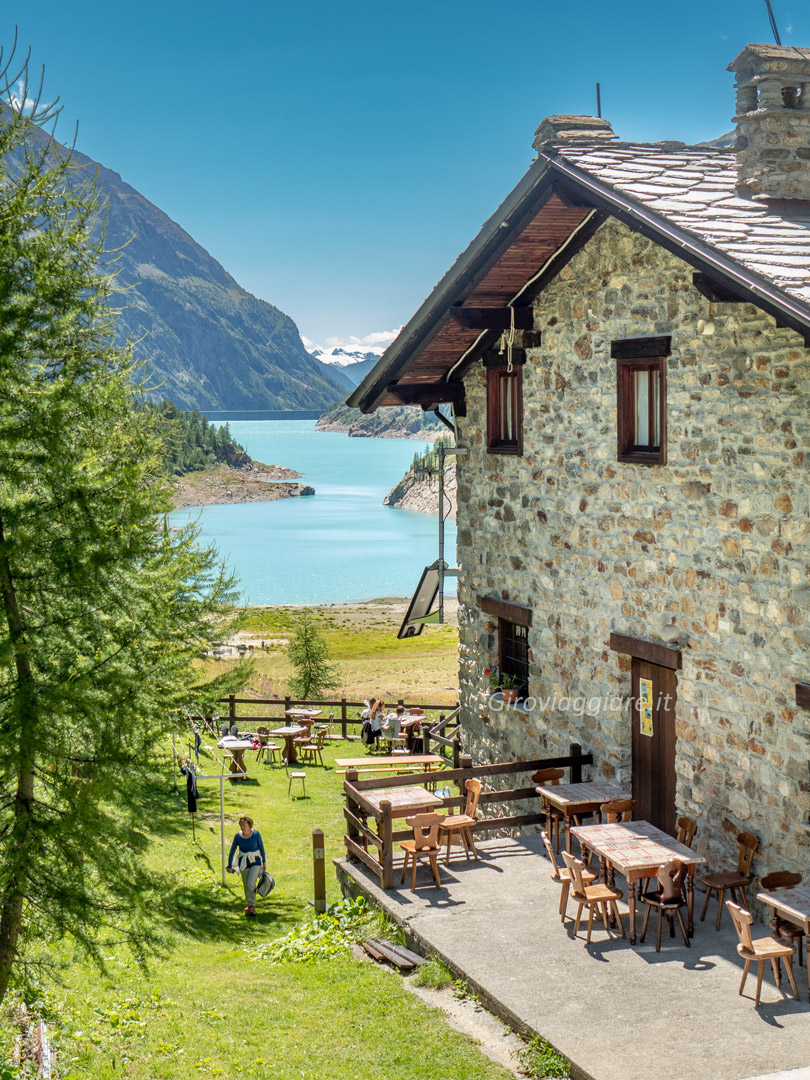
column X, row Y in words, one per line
column 514, row 652
column 505, row 410
column 641, row 381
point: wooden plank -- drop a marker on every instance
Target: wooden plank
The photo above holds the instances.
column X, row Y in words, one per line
column 436, row 393
column 803, row 695
column 504, row 609
column 498, row 318
column 414, row 957
column 652, row 651
column 375, row 954
column 635, row 348
column 391, row 955
column 360, row 853
column 509, row 822
column 717, row 293
column 363, row 829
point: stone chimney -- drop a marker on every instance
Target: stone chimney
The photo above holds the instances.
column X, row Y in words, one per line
column 572, row 129
column 773, row 121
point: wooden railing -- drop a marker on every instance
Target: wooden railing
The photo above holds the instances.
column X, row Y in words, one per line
column 368, row 828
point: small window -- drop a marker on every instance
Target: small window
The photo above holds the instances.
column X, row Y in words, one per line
column 514, row 643
column 505, row 410
column 642, row 410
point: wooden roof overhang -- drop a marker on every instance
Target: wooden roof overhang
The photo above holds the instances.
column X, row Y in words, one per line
column 481, row 315
column 470, row 306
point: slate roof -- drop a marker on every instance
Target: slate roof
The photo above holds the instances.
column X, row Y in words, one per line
column 694, row 188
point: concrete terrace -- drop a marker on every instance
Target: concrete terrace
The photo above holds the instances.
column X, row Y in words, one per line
column 618, row 1012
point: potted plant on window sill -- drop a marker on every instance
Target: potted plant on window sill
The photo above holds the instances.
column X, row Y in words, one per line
column 509, row 685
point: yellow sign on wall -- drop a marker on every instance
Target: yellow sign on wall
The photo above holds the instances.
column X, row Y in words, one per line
column 645, row 711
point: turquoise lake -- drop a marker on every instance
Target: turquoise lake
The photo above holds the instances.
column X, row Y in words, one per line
column 338, row 545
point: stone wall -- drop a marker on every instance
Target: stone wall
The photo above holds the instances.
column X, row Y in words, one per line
column 716, row 539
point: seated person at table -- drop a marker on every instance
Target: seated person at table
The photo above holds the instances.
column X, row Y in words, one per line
column 391, row 725
column 373, row 721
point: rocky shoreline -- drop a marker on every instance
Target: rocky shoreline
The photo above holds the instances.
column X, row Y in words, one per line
column 421, row 493
column 249, row 483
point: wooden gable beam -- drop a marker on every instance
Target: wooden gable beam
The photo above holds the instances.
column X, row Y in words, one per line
column 499, row 318
column 428, row 394
column 716, row 292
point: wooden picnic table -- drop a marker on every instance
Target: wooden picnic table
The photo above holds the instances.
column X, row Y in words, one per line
column 404, row 800
column 288, row 733
column 575, row 800
column 389, row 759
column 794, row 905
column 237, row 751
column 636, row 849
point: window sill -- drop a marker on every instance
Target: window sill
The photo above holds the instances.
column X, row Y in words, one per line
column 643, row 459
column 515, row 451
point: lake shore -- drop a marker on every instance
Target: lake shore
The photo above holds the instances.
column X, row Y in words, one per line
column 251, row 483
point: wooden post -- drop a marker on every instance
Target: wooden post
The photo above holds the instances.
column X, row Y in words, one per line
column 464, row 762
column 343, row 718
column 319, row 870
column 576, row 769
column 222, row 822
column 232, row 706
column 287, row 705
column 426, row 738
column 174, row 759
column 353, row 834
column 456, row 752
column 387, row 853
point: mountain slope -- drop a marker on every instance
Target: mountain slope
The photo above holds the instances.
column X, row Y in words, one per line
column 208, row 343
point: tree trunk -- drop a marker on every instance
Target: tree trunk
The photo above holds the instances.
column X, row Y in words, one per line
column 14, row 870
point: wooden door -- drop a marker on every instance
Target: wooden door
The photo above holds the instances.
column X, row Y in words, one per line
column 654, row 692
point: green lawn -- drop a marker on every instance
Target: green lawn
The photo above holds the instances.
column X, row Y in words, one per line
column 206, row 1009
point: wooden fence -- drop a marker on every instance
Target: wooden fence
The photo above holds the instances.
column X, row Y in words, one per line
column 368, row 827
column 442, row 737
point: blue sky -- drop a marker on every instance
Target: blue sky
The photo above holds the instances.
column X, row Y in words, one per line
column 336, row 158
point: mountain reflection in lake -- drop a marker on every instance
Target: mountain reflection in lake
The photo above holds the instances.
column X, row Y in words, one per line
column 339, row 545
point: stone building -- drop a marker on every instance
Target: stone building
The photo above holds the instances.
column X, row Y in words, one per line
column 625, row 347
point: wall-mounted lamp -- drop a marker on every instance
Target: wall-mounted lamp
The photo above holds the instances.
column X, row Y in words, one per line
column 673, row 635
column 706, row 326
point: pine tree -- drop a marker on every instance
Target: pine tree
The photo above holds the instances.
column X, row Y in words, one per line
column 309, row 655
column 102, row 607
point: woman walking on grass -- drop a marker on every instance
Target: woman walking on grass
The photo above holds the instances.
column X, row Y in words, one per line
column 250, row 861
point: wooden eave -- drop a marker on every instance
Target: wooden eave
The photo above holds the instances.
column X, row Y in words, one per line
column 543, row 234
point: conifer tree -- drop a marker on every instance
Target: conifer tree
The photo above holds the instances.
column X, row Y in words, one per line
column 102, row 607
column 309, row 655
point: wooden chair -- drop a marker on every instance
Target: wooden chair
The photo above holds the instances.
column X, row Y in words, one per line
column 312, row 749
column 687, row 829
column 464, row 823
column 551, row 777
column 617, row 810
column 562, row 875
column 591, row 896
column 668, row 899
column 734, row 882
column 295, row 774
column 266, row 747
column 782, row 927
column 762, row 949
column 425, row 844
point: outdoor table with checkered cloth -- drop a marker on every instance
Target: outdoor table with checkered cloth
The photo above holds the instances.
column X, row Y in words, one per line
column 636, row 849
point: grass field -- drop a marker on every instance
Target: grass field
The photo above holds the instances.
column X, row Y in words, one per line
column 205, row 1008
column 364, row 646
